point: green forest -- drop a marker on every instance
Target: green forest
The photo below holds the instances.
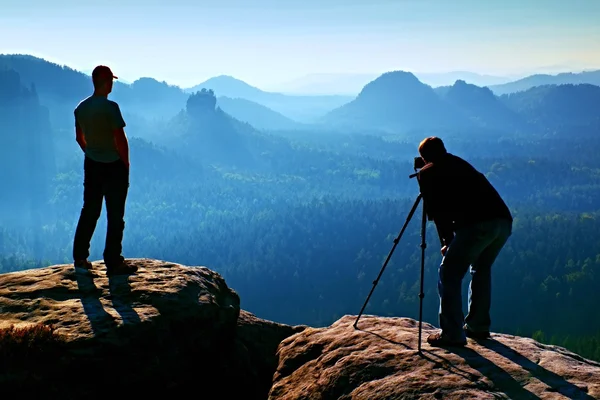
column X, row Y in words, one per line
column 300, row 219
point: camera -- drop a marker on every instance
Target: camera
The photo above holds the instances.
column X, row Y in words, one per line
column 419, row 163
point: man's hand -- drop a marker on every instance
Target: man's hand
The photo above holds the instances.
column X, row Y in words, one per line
column 443, row 251
column 80, row 137
column 122, row 145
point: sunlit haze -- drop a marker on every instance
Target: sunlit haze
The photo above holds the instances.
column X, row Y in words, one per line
column 266, row 42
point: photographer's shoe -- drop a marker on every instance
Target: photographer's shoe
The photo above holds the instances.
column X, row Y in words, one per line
column 438, row 340
column 477, row 335
column 120, row 268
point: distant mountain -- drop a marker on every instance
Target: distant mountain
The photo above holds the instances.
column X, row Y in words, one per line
column 558, row 106
column 448, row 78
column 397, row 101
column 26, row 148
column 352, row 84
column 482, row 107
column 256, row 114
column 590, row 77
column 299, row 108
column 228, row 86
column 60, row 88
column 150, row 98
column 143, row 102
column 50, row 79
column 204, row 132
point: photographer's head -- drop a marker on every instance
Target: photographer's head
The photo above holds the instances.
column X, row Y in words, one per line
column 432, row 149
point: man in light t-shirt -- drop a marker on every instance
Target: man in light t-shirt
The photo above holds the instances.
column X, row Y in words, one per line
column 99, row 132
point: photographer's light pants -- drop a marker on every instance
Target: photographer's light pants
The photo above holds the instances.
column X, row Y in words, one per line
column 476, row 246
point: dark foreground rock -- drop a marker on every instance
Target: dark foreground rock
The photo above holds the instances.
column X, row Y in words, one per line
column 167, row 330
column 174, row 330
column 380, row 361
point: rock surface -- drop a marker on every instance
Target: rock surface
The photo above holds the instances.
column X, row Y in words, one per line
column 87, row 305
column 170, row 330
column 167, row 329
column 380, row 360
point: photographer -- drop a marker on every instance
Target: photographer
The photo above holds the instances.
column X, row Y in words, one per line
column 473, row 224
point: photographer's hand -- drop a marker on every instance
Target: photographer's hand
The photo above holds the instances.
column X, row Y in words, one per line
column 443, row 251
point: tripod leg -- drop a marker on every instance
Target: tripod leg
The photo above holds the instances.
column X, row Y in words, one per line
column 376, row 281
column 421, row 293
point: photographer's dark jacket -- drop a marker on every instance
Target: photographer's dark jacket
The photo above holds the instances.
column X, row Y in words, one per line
column 456, row 195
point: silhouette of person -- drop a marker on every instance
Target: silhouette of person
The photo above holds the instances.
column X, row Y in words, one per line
column 473, row 224
column 99, row 132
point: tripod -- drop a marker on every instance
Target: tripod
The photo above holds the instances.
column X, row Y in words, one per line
column 423, row 246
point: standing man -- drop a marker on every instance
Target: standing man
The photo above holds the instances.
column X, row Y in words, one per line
column 99, row 132
column 473, row 224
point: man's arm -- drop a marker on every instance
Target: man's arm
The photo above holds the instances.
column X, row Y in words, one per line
column 122, row 145
column 80, row 137
column 442, row 223
column 434, row 207
column 445, row 231
column 120, row 138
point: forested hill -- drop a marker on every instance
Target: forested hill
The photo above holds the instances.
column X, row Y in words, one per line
column 558, row 107
column 27, row 160
column 398, row 102
column 304, row 108
column 299, row 222
column 145, row 102
column 146, row 99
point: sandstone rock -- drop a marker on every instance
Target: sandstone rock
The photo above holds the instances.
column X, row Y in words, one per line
column 167, row 329
column 171, row 329
column 380, row 360
column 89, row 306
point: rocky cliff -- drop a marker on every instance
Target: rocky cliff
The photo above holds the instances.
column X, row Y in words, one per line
column 172, row 329
column 379, row 360
column 167, row 330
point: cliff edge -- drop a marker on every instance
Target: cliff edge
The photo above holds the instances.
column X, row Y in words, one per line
column 172, row 329
column 380, row 360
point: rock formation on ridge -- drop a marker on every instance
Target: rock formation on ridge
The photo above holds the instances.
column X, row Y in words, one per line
column 380, row 361
column 168, row 329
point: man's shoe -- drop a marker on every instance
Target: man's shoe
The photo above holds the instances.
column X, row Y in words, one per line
column 438, row 340
column 120, row 268
column 477, row 335
column 85, row 264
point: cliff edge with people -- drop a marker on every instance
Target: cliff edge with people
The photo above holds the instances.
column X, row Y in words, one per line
column 175, row 329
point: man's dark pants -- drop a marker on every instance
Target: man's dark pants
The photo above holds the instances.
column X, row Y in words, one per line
column 109, row 182
column 475, row 246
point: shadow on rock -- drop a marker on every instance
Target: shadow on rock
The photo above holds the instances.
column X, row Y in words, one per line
column 501, row 379
column 555, row 381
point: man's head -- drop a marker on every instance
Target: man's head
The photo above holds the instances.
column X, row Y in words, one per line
column 102, row 77
column 432, row 149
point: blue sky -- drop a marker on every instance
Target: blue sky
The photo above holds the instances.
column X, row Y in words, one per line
column 265, row 42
